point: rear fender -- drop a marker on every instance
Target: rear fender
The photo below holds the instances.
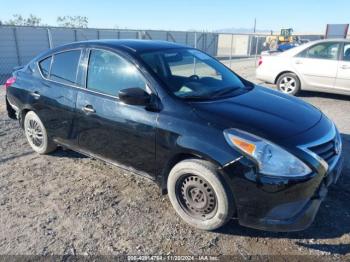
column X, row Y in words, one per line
column 11, row 112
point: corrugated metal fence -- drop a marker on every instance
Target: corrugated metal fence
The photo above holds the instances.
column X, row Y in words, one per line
column 19, row 44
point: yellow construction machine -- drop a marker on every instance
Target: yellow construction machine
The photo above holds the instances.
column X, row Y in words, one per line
column 286, row 37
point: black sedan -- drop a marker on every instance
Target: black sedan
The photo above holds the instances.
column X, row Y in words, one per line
column 220, row 146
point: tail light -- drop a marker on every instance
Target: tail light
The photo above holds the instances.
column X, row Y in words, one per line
column 9, row 82
column 260, row 61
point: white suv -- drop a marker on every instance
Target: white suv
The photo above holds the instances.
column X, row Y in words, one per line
column 320, row 66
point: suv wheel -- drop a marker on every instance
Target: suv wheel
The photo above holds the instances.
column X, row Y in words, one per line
column 288, row 83
column 36, row 134
column 199, row 195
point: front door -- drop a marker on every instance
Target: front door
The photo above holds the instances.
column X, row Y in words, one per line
column 318, row 65
column 343, row 76
column 106, row 127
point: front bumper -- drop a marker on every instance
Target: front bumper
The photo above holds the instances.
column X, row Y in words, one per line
column 280, row 205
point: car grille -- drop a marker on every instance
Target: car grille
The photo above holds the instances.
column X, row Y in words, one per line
column 327, row 151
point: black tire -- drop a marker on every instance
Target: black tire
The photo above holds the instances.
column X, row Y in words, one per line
column 199, row 195
column 36, row 134
column 288, row 83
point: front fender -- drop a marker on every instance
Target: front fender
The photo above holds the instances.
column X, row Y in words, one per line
column 217, row 153
column 185, row 147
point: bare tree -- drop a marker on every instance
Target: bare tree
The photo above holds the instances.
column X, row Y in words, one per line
column 73, row 21
column 32, row 20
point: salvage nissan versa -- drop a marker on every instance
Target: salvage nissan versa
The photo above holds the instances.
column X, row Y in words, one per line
column 218, row 145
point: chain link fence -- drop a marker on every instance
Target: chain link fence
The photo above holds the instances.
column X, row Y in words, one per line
column 19, row 44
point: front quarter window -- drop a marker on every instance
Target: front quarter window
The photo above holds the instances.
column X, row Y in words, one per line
column 192, row 74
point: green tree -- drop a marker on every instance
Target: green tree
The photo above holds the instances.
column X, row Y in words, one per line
column 32, row 20
column 73, row 21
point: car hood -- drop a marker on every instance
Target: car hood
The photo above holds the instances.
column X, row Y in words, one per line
column 261, row 111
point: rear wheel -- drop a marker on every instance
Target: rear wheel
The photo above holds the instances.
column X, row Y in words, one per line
column 199, row 195
column 288, row 83
column 36, row 134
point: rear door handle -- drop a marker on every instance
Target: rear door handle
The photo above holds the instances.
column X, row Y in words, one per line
column 89, row 109
column 298, row 62
column 345, row 67
column 35, row 94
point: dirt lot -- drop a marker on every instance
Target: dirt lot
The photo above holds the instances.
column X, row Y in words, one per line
column 65, row 203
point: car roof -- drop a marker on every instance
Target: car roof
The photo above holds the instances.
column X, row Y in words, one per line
column 129, row 45
column 295, row 50
column 330, row 40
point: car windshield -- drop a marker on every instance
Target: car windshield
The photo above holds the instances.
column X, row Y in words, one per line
column 192, row 74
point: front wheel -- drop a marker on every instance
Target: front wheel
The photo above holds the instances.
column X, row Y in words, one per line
column 288, row 83
column 36, row 134
column 199, row 195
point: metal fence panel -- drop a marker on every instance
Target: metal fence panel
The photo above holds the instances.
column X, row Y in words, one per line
column 156, row 35
column 62, row 36
column 108, row 34
column 128, row 34
column 31, row 42
column 178, row 37
column 18, row 44
column 233, row 45
column 8, row 52
column 86, row 34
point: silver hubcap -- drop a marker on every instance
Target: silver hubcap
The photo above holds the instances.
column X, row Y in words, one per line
column 288, row 84
column 35, row 133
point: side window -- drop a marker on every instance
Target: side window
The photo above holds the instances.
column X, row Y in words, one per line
column 44, row 66
column 64, row 67
column 346, row 53
column 108, row 73
column 328, row 50
column 303, row 53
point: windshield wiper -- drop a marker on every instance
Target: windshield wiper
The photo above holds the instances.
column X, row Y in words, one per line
column 213, row 95
column 223, row 92
column 196, row 97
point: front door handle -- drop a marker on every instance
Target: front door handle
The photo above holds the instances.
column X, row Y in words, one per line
column 35, row 94
column 89, row 109
column 298, row 62
column 345, row 67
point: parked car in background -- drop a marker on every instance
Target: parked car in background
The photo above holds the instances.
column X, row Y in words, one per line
column 319, row 66
column 219, row 145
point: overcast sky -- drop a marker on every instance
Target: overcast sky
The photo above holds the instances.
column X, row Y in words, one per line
column 303, row 16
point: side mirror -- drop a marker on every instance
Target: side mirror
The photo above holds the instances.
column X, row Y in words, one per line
column 134, row 96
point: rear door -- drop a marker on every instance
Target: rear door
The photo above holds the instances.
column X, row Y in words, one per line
column 54, row 95
column 107, row 128
column 318, row 65
column 343, row 76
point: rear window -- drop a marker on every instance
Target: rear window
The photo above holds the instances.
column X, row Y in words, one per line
column 44, row 66
column 64, row 67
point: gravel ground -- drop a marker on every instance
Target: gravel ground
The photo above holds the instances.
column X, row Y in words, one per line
column 65, row 203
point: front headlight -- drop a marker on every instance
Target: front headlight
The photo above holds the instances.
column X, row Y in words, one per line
column 271, row 159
